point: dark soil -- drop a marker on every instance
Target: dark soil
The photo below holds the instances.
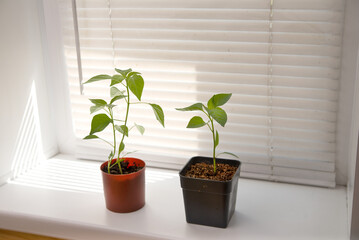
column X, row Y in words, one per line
column 126, row 167
column 224, row 171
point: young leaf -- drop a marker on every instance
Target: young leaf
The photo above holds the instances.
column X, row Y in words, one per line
column 114, row 91
column 140, row 128
column 117, row 98
column 128, row 153
column 122, row 129
column 194, row 107
column 196, row 122
column 218, row 100
column 133, row 73
column 219, row 115
column 123, row 72
column 116, row 79
column 216, row 139
column 110, row 106
column 158, row 113
column 228, row 153
column 110, row 156
column 95, row 108
column 136, row 84
column 98, row 102
column 91, row 137
column 122, row 146
column 98, row 78
column 99, row 123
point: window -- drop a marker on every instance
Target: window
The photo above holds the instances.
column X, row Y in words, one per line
column 279, row 58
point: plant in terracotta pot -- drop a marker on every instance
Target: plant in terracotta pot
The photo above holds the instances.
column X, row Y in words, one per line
column 123, row 177
column 209, row 184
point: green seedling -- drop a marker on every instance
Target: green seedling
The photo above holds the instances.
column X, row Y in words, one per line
column 122, row 87
column 213, row 112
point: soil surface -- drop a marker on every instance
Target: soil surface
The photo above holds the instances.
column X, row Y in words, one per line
column 224, row 171
column 125, row 166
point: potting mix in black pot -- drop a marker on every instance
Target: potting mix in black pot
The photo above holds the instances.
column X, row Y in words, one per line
column 209, row 185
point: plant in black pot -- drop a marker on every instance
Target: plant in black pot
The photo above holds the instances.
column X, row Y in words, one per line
column 123, row 177
column 209, row 184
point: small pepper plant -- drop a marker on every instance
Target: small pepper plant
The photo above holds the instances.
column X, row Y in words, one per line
column 121, row 87
column 213, row 112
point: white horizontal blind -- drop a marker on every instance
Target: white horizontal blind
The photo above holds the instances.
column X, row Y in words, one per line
column 280, row 59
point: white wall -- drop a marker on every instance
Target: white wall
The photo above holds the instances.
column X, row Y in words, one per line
column 350, row 45
column 353, row 162
column 21, row 65
column 348, row 118
column 354, row 193
column 56, row 72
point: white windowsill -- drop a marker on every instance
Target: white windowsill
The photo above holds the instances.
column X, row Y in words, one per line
column 70, row 206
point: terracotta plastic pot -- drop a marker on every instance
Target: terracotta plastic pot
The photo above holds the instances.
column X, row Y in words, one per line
column 209, row 202
column 124, row 193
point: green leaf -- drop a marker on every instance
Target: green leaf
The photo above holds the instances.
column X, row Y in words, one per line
column 228, row 153
column 216, row 141
column 218, row 100
column 110, row 106
column 99, row 123
column 194, row 107
column 123, row 72
column 140, row 128
column 117, row 98
column 98, row 102
column 95, row 108
column 122, row 146
column 98, row 78
column 116, row 94
column 196, row 122
column 133, row 73
column 91, row 136
column 158, row 113
column 110, row 156
column 219, row 115
column 136, row 84
column 122, row 129
column 116, row 79
column 114, row 91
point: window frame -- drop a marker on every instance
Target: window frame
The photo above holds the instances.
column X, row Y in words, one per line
column 59, row 88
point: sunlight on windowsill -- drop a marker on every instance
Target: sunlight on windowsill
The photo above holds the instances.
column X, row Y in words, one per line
column 79, row 175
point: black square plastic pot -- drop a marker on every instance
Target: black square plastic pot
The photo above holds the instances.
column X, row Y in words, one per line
column 209, row 202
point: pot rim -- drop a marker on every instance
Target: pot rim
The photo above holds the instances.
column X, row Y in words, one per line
column 128, row 174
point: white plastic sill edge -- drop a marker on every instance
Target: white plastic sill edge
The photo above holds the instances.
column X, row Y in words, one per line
column 54, row 200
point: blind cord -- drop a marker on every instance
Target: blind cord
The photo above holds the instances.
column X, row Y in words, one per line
column 77, row 43
column 270, row 92
column 111, row 32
